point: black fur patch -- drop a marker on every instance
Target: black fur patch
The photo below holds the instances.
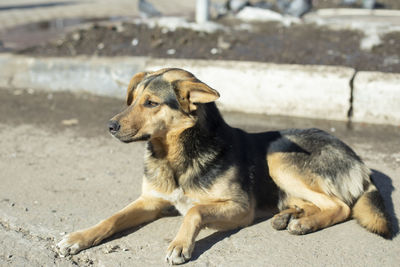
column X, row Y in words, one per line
column 204, row 145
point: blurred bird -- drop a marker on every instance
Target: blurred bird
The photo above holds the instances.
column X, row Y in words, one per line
column 147, row 10
column 298, row 8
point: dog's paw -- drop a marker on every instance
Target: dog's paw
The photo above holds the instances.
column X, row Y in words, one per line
column 71, row 244
column 178, row 252
column 280, row 221
column 299, row 227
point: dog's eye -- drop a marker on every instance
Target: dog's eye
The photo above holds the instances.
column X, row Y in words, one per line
column 150, row 104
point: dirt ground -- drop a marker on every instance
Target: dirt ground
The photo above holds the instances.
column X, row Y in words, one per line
column 61, row 171
column 265, row 42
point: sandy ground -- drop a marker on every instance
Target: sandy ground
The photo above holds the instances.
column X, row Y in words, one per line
column 57, row 178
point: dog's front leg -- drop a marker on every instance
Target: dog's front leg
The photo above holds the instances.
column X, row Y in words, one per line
column 224, row 215
column 144, row 209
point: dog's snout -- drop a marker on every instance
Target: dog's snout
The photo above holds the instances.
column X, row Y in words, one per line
column 113, row 126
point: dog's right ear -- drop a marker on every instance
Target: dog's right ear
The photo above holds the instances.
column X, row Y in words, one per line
column 136, row 79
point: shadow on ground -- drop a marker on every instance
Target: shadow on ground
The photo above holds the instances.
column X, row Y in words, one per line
column 386, row 188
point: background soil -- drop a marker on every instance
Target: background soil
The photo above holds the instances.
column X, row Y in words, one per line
column 266, row 42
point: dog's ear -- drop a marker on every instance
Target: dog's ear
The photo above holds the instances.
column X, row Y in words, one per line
column 195, row 92
column 136, row 79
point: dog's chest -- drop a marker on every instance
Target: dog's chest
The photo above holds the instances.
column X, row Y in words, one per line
column 178, row 198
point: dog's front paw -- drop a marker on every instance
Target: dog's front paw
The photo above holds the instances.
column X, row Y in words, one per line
column 299, row 227
column 71, row 244
column 179, row 252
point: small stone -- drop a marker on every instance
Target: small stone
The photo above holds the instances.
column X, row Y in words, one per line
column 214, row 51
column 60, row 42
column 135, row 42
column 120, row 28
column 70, row 122
column 76, row 36
column 112, row 249
column 100, row 46
column 171, row 51
column 222, row 43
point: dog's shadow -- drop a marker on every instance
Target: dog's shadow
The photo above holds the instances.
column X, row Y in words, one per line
column 208, row 242
column 386, row 188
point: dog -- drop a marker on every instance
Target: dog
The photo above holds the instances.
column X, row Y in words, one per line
column 218, row 176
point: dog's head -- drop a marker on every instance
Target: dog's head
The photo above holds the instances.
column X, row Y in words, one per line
column 160, row 102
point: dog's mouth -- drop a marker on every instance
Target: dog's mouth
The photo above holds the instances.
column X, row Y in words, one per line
column 128, row 138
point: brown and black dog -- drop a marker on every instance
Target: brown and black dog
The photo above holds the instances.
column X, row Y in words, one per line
column 218, row 176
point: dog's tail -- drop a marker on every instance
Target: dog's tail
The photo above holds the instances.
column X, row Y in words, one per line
column 369, row 211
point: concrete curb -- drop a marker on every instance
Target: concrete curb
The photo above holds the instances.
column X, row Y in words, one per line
column 376, row 97
column 293, row 90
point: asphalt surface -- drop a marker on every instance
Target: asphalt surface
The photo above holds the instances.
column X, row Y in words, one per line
column 60, row 171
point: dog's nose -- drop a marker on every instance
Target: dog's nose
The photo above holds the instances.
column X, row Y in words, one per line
column 113, row 126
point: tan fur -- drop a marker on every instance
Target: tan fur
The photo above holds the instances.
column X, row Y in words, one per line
column 177, row 74
column 369, row 218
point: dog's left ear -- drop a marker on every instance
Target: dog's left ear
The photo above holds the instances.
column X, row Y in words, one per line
column 136, row 79
column 197, row 92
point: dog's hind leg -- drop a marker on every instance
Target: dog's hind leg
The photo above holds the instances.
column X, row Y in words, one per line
column 295, row 184
column 144, row 209
column 328, row 216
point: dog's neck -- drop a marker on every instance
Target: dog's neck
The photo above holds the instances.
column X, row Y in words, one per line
column 190, row 146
